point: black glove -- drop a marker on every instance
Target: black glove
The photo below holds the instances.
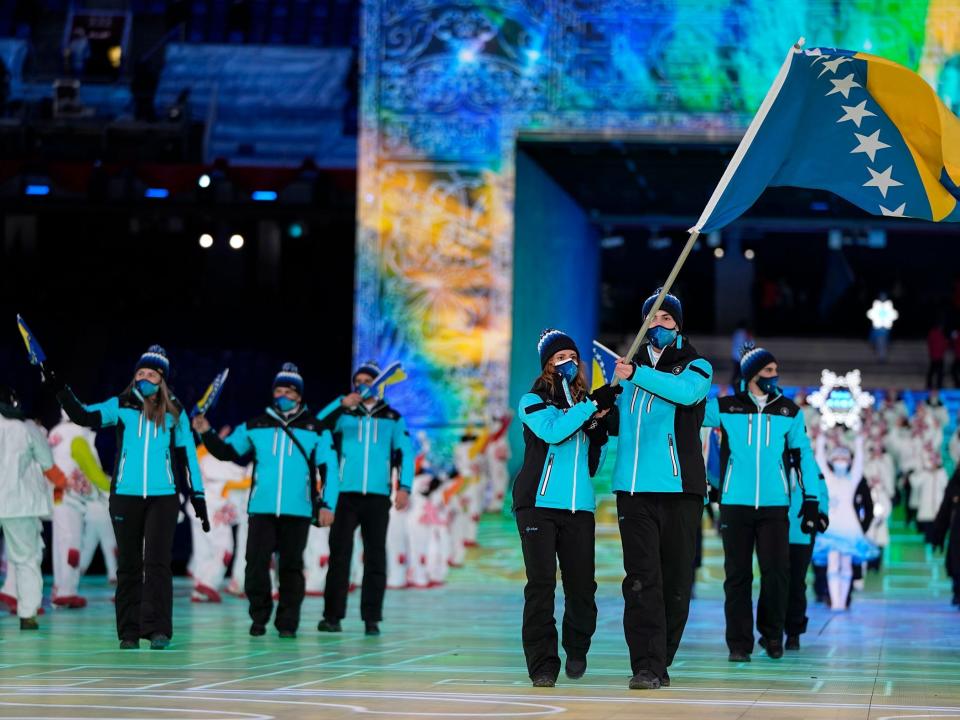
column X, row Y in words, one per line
column 809, row 515
column 605, row 396
column 200, row 508
column 713, row 494
column 51, row 381
column 823, row 522
column 595, row 431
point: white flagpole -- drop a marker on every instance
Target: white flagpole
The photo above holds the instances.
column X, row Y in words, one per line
column 715, row 198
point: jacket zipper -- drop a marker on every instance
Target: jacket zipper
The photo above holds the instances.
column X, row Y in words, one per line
column 649, row 403
column 636, row 447
column 123, row 460
column 546, row 476
column 756, row 505
column 375, row 422
column 673, row 456
column 633, row 401
column 749, row 429
column 146, row 454
column 783, row 476
column 768, row 431
column 576, row 463
column 169, row 470
column 726, row 485
column 283, row 441
column 366, row 457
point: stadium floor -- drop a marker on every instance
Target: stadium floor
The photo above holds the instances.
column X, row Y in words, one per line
column 454, row 652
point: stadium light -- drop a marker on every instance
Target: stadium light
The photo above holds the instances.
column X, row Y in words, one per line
column 206, row 240
column 157, row 193
column 749, row 254
column 882, row 314
column 264, row 195
column 840, row 400
column 204, row 181
column 236, row 241
column 718, row 253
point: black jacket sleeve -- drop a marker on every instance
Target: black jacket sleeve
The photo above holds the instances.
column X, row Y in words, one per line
column 220, row 449
column 76, row 411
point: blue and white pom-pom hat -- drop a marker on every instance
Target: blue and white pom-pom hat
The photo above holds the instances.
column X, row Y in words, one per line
column 553, row 341
column 155, row 358
column 671, row 303
column 753, row 359
column 369, row 367
column 289, row 376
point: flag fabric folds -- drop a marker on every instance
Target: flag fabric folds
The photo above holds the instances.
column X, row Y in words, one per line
column 212, row 394
column 604, row 363
column 865, row 128
column 37, row 356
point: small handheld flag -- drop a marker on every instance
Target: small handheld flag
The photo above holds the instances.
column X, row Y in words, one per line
column 604, row 363
column 210, row 397
column 390, row 375
column 37, row 356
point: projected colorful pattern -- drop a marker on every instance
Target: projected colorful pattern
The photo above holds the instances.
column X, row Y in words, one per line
column 446, row 88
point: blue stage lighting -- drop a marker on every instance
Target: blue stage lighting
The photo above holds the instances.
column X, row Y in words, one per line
column 295, row 230
column 264, row 195
column 37, row 190
column 158, row 193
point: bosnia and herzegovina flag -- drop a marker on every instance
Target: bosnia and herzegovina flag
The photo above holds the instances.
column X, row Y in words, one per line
column 860, row 126
column 604, row 363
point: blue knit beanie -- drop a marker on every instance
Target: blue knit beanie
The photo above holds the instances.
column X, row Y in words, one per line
column 671, row 303
column 155, row 358
column 289, row 376
column 369, row 367
column 752, row 360
column 553, row 341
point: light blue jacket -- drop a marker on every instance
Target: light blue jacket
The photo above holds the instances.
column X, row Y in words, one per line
column 285, row 481
column 753, row 450
column 372, row 444
column 559, row 457
column 150, row 456
column 661, row 411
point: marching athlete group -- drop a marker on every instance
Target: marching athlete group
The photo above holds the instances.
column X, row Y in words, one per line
column 302, row 486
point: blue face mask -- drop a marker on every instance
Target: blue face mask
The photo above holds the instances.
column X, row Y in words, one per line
column 567, row 369
column 768, row 385
column 284, row 404
column 147, row 388
column 363, row 390
column 660, row 337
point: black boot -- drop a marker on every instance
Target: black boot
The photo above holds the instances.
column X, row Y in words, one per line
column 544, row 680
column 774, row 647
column 575, row 668
column 29, row 624
column 645, row 680
column 256, row 630
column 159, row 641
column 329, row 626
column 738, row 656
column 371, row 629
column 793, row 642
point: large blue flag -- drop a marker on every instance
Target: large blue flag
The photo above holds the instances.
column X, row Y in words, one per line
column 870, row 130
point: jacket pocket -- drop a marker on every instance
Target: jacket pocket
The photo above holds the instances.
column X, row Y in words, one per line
column 633, row 400
column 546, row 476
column 123, row 461
column 726, row 482
column 673, row 455
column 169, row 470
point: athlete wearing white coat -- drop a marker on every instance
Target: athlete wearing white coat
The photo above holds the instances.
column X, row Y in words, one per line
column 75, row 454
column 25, row 497
column 213, row 551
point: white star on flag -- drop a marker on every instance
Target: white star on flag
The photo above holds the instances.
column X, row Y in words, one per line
column 856, row 113
column 893, row 213
column 882, row 181
column 832, row 65
column 844, row 86
column 869, row 144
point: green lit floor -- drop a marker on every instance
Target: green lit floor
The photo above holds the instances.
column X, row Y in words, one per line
column 455, row 652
